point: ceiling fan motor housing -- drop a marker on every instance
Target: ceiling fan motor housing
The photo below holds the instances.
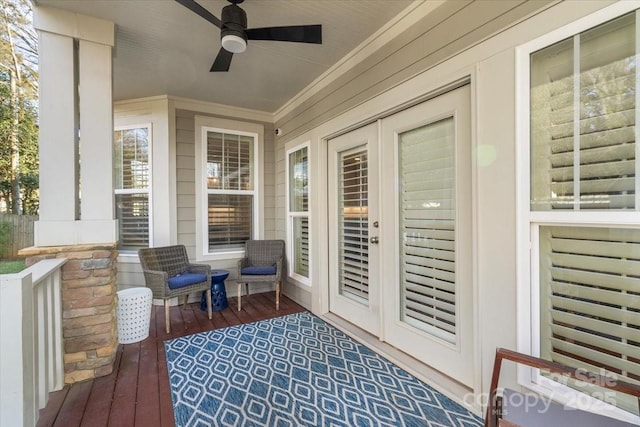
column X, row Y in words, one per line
column 234, row 33
column 234, row 22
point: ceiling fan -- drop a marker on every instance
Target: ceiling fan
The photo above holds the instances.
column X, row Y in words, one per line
column 234, row 32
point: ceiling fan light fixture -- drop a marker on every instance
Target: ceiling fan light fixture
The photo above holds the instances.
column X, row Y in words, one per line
column 234, row 33
column 234, row 44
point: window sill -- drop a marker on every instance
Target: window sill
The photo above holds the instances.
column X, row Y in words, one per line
column 221, row 256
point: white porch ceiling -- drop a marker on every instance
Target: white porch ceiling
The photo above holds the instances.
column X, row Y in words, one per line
column 163, row 48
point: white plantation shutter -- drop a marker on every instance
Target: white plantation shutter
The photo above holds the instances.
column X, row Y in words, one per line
column 301, row 236
column 131, row 164
column 229, row 218
column 353, row 224
column 584, row 158
column 299, row 176
column 590, row 299
column 229, row 161
column 299, row 210
column 427, row 227
column 229, row 177
column 132, row 211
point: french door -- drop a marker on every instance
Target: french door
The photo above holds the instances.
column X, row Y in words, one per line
column 354, row 292
column 406, row 234
column 427, row 217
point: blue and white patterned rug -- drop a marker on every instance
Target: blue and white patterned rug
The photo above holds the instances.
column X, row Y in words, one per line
column 297, row 370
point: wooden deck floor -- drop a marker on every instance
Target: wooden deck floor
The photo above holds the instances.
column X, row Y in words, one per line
column 137, row 392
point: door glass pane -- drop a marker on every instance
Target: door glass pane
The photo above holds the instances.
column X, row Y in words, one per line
column 427, row 228
column 583, row 114
column 353, row 220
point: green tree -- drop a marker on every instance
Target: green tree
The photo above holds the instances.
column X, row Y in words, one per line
column 18, row 107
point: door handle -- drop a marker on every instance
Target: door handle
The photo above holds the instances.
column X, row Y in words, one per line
column 374, row 240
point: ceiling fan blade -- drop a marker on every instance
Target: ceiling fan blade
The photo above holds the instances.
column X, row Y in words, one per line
column 201, row 11
column 294, row 33
column 222, row 61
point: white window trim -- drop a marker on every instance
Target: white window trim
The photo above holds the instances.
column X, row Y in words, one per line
column 204, row 124
column 148, row 191
column 528, row 223
column 296, row 278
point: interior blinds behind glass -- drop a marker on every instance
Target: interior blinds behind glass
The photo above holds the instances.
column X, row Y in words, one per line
column 229, row 161
column 131, row 161
column 301, row 235
column 299, row 209
column 229, row 220
column 353, row 223
column 585, row 158
column 230, row 190
column 299, row 181
column 132, row 211
column 427, row 226
column 590, row 285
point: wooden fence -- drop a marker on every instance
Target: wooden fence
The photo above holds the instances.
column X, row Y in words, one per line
column 16, row 232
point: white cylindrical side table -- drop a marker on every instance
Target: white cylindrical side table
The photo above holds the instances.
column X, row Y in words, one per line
column 133, row 314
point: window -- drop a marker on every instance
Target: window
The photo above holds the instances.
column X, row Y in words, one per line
column 298, row 212
column 227, row 208
column 229, row 189
column 132, row 183
column 583, row 204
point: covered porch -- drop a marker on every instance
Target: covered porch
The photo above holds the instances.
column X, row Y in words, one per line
column 400, row 161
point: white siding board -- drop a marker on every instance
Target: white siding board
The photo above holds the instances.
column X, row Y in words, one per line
column 185, row 135
column 186, row 200
column 184, row 174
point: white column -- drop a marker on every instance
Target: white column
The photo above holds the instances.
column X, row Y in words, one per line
column 97, row 223
column 75, row 89
column 58, row 130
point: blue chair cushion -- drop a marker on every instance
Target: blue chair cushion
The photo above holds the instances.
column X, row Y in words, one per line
column 259, row 270
column 186, row 279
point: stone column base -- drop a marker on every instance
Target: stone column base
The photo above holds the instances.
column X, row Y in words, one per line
column 89, row 330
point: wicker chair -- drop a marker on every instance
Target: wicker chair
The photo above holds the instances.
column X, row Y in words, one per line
column 168, row 273
column 262, row 263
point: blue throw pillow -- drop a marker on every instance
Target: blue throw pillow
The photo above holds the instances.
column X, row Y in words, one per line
column 258, row 270
column 186, row 279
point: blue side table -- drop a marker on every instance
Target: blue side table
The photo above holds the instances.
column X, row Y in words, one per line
column 218, row 292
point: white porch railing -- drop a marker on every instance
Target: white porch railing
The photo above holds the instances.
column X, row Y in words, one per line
column 31, row 354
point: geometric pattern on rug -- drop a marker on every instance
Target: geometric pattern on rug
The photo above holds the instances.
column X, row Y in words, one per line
column 297, row 370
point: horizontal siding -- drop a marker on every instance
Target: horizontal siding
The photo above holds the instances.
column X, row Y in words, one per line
column 185, row 180
column 280, row 192
column 451, row 28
